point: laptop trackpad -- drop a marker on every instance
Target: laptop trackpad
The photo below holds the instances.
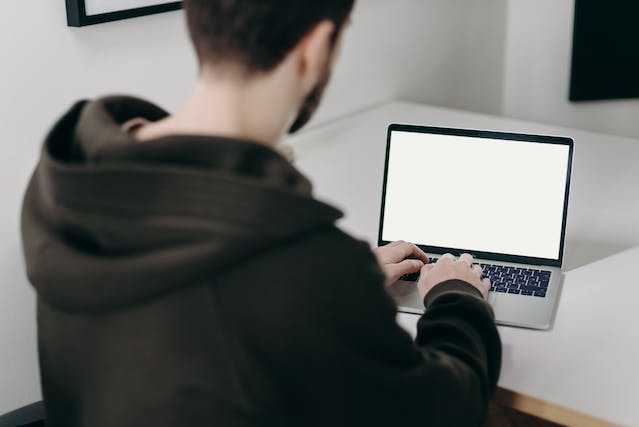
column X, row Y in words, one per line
column 407, row 297
column 492, row 299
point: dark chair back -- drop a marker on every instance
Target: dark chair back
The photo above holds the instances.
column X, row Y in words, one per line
column 32, row 415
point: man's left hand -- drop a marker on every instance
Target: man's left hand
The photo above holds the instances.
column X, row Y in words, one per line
column 400, row 258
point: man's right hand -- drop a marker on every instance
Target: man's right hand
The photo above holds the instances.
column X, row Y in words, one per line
column 450, row 268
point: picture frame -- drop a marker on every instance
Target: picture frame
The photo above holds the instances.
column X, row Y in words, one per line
column 81, row 13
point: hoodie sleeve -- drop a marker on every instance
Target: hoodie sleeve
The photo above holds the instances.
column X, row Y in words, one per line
column 381, row 376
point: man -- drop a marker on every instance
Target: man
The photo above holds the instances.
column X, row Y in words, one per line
column 186, row 276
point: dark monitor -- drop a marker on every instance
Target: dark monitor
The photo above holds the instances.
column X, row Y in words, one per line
column 605, row 58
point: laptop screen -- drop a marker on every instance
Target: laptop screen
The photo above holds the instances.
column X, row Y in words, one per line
column 482, row 192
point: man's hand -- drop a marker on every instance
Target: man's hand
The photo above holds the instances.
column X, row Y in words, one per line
column 394, row 262
column 448, row 268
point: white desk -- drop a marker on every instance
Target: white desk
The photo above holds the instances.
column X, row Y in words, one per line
column 589, row 361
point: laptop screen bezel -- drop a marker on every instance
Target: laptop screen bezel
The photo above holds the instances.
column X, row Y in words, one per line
column 486, row 135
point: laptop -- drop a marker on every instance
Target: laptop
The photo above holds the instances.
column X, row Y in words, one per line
column 502, row 197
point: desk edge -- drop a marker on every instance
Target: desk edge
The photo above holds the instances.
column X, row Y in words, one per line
column 546, row 410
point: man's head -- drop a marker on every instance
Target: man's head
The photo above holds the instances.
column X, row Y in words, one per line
column 252, row 38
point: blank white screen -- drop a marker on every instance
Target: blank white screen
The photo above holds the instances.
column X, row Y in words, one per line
column 478, row 194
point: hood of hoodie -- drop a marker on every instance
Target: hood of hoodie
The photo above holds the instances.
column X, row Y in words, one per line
column 109, row 222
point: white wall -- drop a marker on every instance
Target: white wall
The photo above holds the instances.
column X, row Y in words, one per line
column 446, row 52
column 441, row 52
column 537, row 72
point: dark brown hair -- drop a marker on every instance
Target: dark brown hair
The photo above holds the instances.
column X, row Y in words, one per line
column 257, row 34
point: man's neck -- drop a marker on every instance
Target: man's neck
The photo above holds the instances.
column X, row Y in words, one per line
column 255, row 110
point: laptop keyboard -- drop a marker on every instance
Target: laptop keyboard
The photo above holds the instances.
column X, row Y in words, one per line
column 509, row 280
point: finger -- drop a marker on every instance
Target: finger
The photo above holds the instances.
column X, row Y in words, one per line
column 486, row 283
column 477, row 269
column 408, row 266
column 421, row 255
column 424, row 273
column 408, row 250
column 447, row 258
column 387, row 254
column 467, row 259
column 427, row 267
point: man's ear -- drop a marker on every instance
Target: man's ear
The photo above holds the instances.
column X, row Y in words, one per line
column 315, row 52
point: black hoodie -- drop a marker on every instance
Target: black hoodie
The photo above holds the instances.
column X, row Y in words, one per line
column 194, row 281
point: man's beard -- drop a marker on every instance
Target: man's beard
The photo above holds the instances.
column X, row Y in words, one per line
column 311, row 104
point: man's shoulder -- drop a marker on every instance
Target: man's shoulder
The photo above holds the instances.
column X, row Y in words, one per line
column 331, row 248
column 326, row 255
column 315, row 279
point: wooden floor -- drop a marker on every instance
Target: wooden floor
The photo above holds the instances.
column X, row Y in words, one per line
column 501, row 416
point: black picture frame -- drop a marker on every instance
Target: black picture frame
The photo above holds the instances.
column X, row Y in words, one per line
column 77, row 17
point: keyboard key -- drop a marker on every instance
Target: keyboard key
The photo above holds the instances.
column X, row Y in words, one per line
column 508, row 279
column 410, row 277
